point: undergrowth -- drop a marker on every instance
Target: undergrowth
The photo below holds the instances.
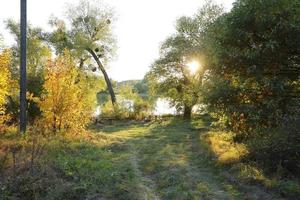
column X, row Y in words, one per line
column 236, row 158
column 68, row 166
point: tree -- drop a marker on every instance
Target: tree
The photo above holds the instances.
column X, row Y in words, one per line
column 169, row 76
column 65, row 102
column 90, row 36
column 254, row 78
column 253, row 50
column 38, row 52
column 136, row 105
column 4, row 78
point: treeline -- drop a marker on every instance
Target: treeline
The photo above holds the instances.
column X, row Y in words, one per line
column 63, row 97
column 63, row 67
column 248, row 79
column 83, row 40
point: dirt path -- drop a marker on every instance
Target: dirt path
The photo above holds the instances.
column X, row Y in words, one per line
column 146, row 185
column 169, row 163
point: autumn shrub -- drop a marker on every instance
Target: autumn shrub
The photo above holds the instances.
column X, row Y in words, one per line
column 4, row 87
column 65, row 102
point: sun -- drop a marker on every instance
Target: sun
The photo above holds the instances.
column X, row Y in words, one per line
column 193, row 66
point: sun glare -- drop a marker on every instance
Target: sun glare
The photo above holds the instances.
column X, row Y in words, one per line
column 193, row 66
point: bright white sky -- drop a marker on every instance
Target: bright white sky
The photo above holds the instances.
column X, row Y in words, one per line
column 141, row 27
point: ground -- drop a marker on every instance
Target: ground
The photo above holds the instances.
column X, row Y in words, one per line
column 169, row 161
column 131, row 160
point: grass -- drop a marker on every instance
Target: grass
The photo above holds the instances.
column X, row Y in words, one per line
column 232, row 158
column 223, row 147
column 173, row 159
column 74, row 167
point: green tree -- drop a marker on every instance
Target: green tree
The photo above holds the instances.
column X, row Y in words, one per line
column 89, row 38
column 254, row 51
column 138, row 107
column 169, row 75
column 38, row 52
column 253, row 78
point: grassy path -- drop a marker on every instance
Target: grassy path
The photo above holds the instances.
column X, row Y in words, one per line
column 126, row 161
column 169, row 162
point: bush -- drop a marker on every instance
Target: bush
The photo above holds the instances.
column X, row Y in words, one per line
column 264, row 159
column 127, row 109
column 141, row 109
column 276, row 148
column 65, row 103
column 108, row 110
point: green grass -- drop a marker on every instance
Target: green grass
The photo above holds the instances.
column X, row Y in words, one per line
column 126, row 160
column 233, row 159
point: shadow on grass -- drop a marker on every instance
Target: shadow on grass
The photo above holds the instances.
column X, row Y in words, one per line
column 114, row 127
column 100, row 166
column 171, row 154
column 168, row 154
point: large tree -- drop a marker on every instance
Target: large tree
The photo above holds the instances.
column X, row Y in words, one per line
column 38, row 52
column 254, row 63
column 254, row 82
column 169, row 75
column 89, row 37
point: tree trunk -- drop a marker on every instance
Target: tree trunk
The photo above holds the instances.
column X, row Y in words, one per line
column 54, row 124
column 107, row 80
column 187, row 112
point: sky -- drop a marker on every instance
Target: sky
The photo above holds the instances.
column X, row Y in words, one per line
column 141, row 26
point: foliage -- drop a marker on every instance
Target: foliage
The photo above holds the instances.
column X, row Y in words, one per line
column 139, row 86
column 138, row 107
column 38, row 52
column 130, row 105
column 110, row 111
column 234, row 156
column 90, row 29
column 5, row 79
column 253, row 52
column 252, row 79
column 169, row 76
column 249, row 82
column 89, row 38
column 223, row 147
column 66, row 102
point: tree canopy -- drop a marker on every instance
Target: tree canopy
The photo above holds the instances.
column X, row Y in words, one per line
column 169, row 76
column 89, row 37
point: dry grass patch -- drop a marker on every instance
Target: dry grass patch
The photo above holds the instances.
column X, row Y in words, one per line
column 223, row 147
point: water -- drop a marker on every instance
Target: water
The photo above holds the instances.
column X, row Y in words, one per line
column 162, row 107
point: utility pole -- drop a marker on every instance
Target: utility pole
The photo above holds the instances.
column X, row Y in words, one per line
column 23, row 103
